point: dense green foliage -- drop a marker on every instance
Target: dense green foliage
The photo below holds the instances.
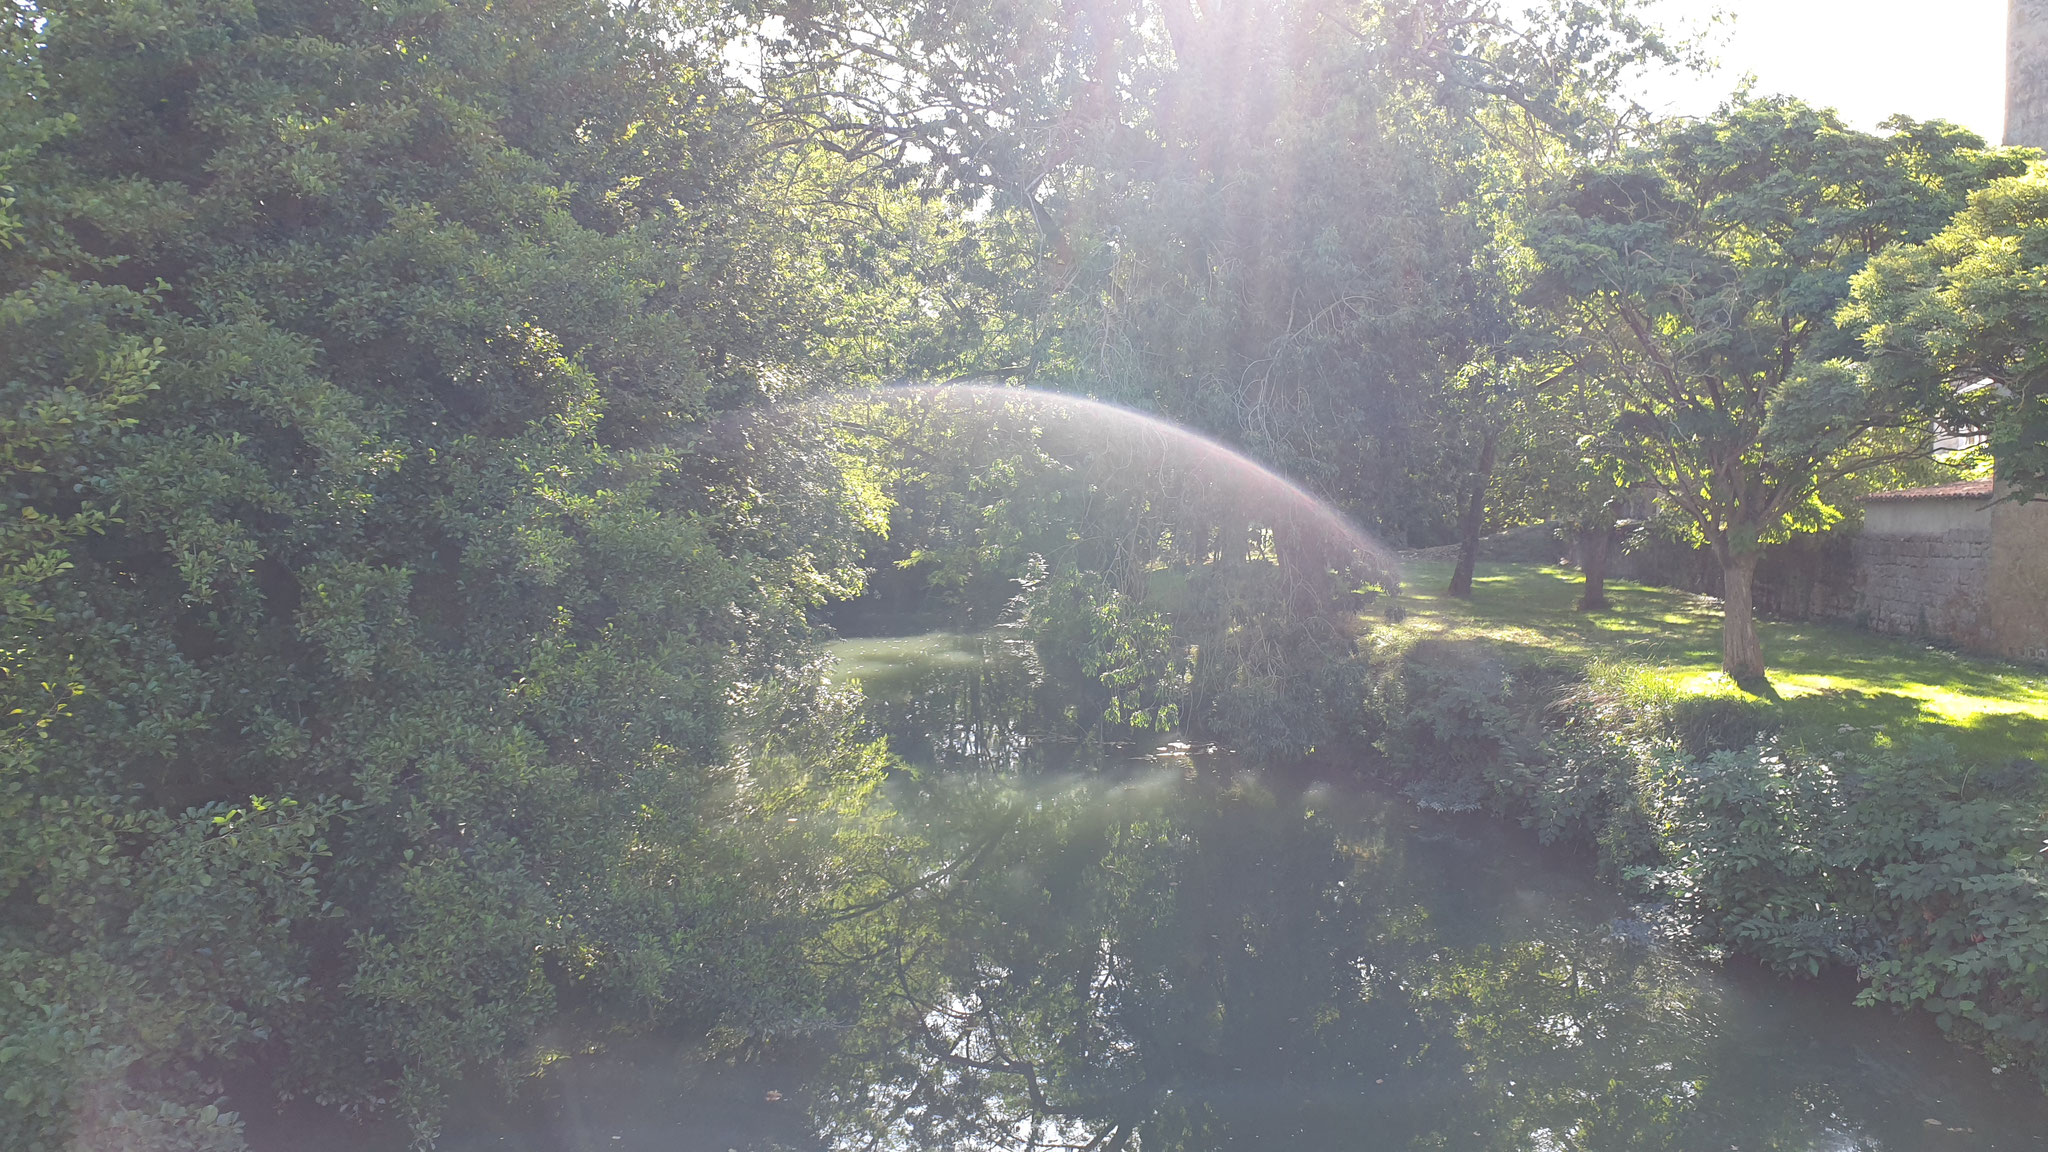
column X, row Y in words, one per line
column 381, row 599
column 431, row 433
column 1306, row 269
column 1197, row 598
column 1297, row 266
column 1944, row 318
column 1804, row 849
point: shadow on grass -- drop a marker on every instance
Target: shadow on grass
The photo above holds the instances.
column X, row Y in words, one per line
column 1759, row 687
column 1825, row 680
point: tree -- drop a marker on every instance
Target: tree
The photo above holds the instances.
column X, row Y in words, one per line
column 1960, row 321
column 1285, row 263
column 381, row 590
column 1555, row 471
column 1707, row 268
column 1475, row 409
column 1287, row 266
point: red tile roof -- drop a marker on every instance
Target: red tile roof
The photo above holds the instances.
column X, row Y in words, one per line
column 1967, row 490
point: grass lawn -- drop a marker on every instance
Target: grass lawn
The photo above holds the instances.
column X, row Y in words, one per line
column 1669, row 642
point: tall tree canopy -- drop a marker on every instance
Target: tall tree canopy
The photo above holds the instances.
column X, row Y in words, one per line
column 1269, row 221
column 1707, row 269
column 378, row 599
column 1258, row 217
column 1960, row 321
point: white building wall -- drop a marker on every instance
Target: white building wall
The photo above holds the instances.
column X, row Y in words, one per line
column 2026, row 74
column 1926, row 517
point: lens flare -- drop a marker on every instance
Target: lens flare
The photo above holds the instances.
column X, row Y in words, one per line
column 1124, row 445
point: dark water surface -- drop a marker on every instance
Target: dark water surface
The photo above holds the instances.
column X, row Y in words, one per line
column 1161, row 949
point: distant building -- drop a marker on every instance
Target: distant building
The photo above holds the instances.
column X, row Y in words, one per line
column 2026, row 74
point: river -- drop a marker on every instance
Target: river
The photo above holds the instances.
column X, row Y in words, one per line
column 1158, row 947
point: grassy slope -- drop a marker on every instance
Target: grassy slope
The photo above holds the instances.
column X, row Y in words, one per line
column 1661, row 642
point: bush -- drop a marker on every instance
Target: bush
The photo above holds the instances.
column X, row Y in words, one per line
column 1754, row 849
column 375, row 597
column 1924, row 874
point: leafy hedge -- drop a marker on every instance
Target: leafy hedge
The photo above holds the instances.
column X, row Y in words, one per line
column 381, row 599
column 1925, row 874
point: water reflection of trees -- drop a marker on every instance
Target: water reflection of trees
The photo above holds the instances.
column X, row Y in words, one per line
column 1183, row 959
column 1132, row 948
column 1578, row 1043
column 989, row 701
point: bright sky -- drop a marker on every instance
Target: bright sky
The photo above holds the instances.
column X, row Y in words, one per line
column 1931, row 59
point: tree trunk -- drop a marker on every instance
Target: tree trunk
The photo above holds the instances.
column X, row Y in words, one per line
column 1473, row 519
column 1742, row 655
column 1594, row 547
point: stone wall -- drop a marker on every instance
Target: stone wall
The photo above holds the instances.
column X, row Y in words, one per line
column 1953, row 572
column 1970, row 514
column 1808, row 578
column 2016, row 587
column 1927, row 586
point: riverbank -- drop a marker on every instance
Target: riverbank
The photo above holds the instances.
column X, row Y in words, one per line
column 1881, row 813
column 1662, row 644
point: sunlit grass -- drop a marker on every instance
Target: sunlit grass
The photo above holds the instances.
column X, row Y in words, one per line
column 1658, row 643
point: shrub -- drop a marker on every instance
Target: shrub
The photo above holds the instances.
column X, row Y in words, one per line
column 374, row 595
column 1925, row 874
